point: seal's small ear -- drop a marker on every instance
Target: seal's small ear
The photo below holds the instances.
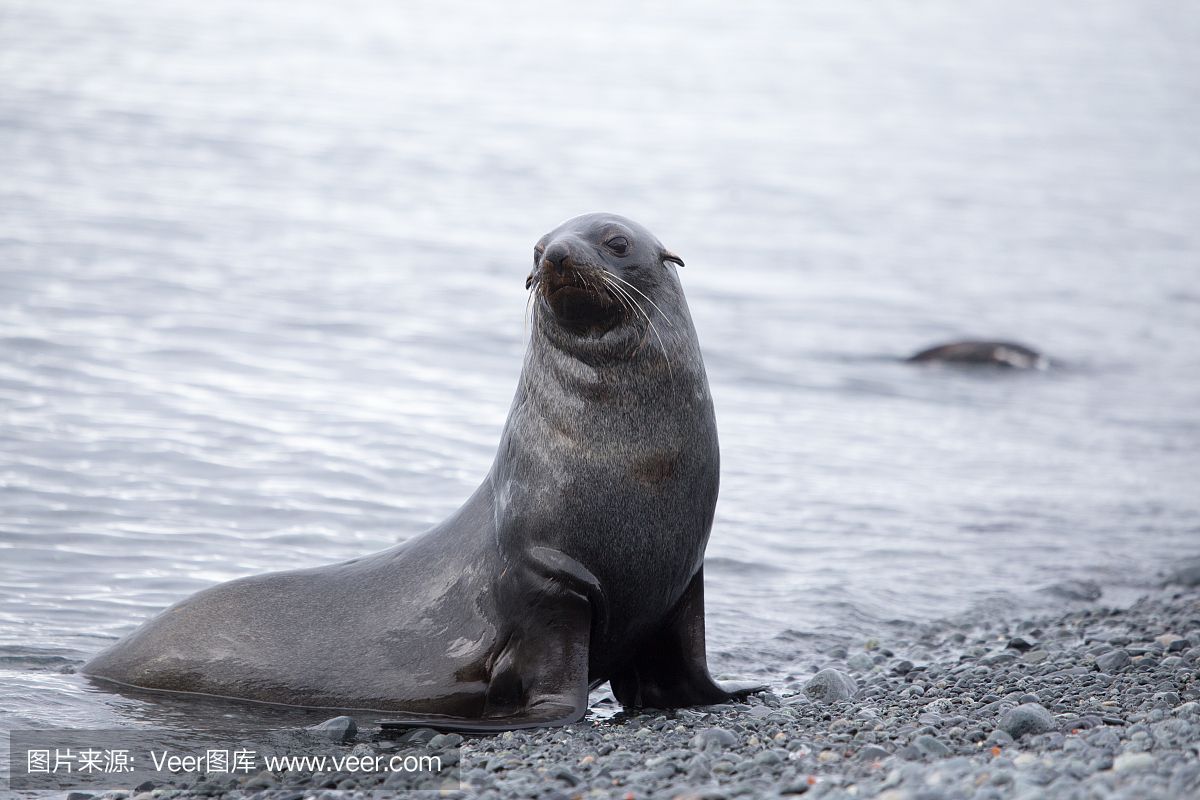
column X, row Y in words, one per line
column 667, row 255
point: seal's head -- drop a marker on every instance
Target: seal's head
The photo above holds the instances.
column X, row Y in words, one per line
column 597, row 274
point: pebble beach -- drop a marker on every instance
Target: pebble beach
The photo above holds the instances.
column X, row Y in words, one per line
column 1099, row 702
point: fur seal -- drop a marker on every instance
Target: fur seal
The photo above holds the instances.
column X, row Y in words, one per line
column 578, row 560
column 982, row 353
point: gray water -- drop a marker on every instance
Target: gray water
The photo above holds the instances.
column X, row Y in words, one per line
column 261, row 295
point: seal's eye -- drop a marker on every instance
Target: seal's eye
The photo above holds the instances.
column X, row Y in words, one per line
column 618, row 244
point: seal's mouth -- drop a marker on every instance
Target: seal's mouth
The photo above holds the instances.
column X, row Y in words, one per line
column 580, row 302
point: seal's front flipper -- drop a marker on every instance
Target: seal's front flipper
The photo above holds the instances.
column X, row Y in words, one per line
column 539, row 676
column 670, row 669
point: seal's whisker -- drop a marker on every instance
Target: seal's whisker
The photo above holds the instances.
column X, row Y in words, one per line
column 528, row 311
column 643, row 294
column 613, row 292
column 605, row 276
column 623, row 297
column 531, row 307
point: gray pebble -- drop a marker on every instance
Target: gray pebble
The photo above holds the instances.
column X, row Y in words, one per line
column 831, row 686
column 1025, row 719
column 1113, row 660
column 931, row 746
column 871, row 752
column 263, row 780
column 1133, row 762
column 768, row 757
column 861, row 662
column 445, row 740
column 1187, row 574
column 563, row 774
column 1035, row 656
column 714, row 739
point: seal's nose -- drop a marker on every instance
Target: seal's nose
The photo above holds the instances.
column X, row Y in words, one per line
column 559, row 255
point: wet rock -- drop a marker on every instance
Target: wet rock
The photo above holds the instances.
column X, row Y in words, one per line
column 1113, row 660
column 831, row 686
column 423, row 736
column 1187, row 574
column 338, row 729
column 445, row 740
column 1029, row 718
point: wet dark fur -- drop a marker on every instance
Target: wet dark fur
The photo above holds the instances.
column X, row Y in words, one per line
column 577, row 560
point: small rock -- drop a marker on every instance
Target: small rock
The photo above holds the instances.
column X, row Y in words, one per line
column 861, row 662
column 1188, row 574
column 931, row 746
column 903, row 667
column 1172, row 643
column 1035, row 656
column 831, row 686
column 1025, row 719
column 1189, row 709
column 338, row 729
column 1113, row 660
column 1133, row 762
column 767, row 758
column 872, row 752
column 423, row 736
column 445, row 740
column 563, row 774
column 263, row 780
column 1021, row 643
column 711, row 739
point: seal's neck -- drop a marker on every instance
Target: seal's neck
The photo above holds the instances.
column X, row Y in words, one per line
column 651, row 365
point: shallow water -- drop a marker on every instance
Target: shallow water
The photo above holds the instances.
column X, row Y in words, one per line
column 261, row 296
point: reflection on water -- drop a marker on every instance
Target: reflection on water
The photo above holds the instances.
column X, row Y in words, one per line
column 261, row 277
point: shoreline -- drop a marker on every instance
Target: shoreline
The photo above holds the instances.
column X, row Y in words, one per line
column 1093, row 702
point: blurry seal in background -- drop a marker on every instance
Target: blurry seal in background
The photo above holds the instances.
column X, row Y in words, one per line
column 982, row 353
column 578, row 560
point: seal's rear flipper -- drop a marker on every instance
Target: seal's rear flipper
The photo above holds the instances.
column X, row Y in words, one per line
column 671, row 667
